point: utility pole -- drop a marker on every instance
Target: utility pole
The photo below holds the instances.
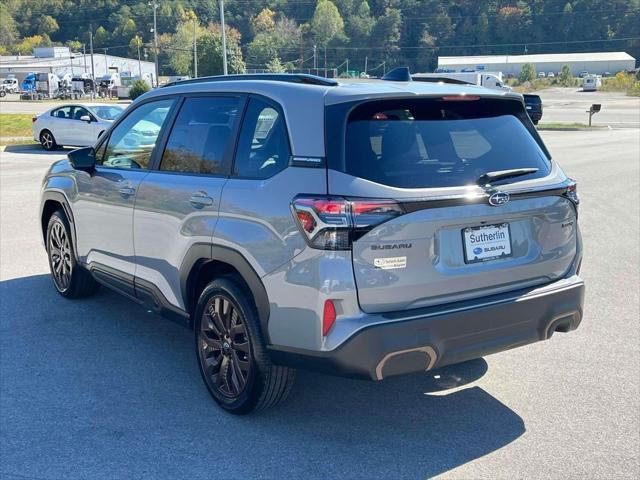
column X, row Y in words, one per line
column 315, row 60
column 84, row 55
column 106, row 68
column 224, row 37
column 347, row 67
column 155, row 38
column 195, row 50
column 139, row 64
column 366, row 61
column 325, row 60
column 93, row 70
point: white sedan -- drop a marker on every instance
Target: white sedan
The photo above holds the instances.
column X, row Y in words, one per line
column 77, row 125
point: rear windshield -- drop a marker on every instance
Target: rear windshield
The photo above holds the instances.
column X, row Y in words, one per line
column 426, row 143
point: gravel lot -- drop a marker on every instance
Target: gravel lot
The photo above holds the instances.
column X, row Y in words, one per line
column 101, row 389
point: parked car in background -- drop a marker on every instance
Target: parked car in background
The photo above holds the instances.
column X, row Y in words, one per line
column 77, row 125
column 551, row 75
column 583, row 74
column 361, row 229
column 591, row 83
column 533, row 104
column 541, row 75
column 11, row 85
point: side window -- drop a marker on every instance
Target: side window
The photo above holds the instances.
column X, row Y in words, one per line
column 131, row 142
column 62, row 112
column 263, row 147
column 201, row 136
column 79, row 112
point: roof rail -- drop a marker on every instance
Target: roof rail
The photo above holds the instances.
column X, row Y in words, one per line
column 273, row 77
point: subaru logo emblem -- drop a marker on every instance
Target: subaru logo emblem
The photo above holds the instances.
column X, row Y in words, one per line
column 477, row 251
column 498, row 198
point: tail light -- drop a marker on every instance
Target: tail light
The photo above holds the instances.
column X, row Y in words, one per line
column 33, row 119
column 572, row 193
column 333, row 223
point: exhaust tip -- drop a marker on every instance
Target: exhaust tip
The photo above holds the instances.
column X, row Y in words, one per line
column 406, row 361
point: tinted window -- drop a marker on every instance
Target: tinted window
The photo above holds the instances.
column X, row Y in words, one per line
column 107, row 112
column 201, row 136
column 62, row 112
column 436, row 143
column 80, row 112
column 131, row 143
column 263, row 148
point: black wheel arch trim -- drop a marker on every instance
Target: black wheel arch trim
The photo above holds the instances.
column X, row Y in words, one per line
column 58, row 197
column 202, row 253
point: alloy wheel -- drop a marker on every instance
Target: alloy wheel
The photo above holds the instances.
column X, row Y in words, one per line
column 60, row 256
column 47, row 140
column 223, row 347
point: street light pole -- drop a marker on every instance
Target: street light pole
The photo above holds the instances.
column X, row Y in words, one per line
column 224, row 37
column 155, row 39
column 93, row 70
column 195, row 50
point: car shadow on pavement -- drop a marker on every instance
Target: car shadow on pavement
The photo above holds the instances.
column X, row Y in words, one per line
column 36, row 149
column 99, row 388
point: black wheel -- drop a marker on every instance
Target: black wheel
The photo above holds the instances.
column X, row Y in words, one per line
column 47, row 140
column 230, row 351
column 70, row 280
column 2, row 93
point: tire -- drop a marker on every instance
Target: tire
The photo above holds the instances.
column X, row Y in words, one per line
column 230, row 350
column 2, row 93
column 47, row 140
column 69, row 278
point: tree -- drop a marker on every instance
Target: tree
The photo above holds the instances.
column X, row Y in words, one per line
column 210, row 51
column 8, row 29
column 26, row 46
column 327, row 23
column 135, row 44
column 275, row 65
column 74, row 45
column 361, row 24
column 100, row 37
column 138, row 87
column 284, row 36
column 47, row 25
column 528, row 73
column 565, row 78
column 264, row 22
column 387, row 31
column 181, row 48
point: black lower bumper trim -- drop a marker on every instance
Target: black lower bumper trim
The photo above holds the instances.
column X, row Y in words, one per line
column 456, row 336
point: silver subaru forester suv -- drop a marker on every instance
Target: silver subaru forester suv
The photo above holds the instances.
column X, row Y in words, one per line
column 365, row 229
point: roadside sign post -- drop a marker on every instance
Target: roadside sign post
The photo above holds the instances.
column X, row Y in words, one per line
column 595, row 108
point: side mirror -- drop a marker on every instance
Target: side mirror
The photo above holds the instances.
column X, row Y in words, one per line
column 82, row 158
column 85, row 118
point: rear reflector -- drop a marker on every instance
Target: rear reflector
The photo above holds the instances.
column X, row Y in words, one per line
column 328, row 317
column 33, row 119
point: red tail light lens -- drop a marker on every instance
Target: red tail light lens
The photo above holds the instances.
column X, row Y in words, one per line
column 328, row 317
column 460, row 98
column 333, row 223
column 572, row 193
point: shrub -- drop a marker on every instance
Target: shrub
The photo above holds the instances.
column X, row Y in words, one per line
column 528, row 73
column 138, row 87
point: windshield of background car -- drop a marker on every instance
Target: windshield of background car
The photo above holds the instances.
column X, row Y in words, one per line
column 430, row 143
column 107, row 112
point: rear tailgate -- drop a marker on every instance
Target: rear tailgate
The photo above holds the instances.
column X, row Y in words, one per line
column 418, row 151
column 419, row 259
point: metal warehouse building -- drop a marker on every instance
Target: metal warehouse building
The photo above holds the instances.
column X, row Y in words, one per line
column 596, row 62
column 60, row 60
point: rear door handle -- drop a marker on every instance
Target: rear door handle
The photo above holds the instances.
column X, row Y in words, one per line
column 127, row 191
column 201, row 199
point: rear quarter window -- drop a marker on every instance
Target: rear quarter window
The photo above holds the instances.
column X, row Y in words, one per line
column 430, row 143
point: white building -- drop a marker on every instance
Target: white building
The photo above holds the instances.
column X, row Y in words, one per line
column 596, row 62
column 60, row 60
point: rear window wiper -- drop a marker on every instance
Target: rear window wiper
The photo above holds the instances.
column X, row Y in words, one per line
column 490, row 177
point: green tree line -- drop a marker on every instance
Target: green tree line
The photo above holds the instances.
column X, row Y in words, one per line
column 281, row 34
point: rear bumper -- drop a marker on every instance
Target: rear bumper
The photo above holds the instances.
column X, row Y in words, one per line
column 424, row 339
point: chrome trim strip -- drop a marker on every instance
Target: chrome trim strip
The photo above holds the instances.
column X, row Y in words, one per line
column 427, row 350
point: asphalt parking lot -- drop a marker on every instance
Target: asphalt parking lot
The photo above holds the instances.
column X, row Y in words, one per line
column 101, row 389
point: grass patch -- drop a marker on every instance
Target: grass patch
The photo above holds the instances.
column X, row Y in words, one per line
column 15, row 125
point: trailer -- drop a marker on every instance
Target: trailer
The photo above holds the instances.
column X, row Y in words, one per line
column 47, row 86
column 491, row 80
column 591, row 83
